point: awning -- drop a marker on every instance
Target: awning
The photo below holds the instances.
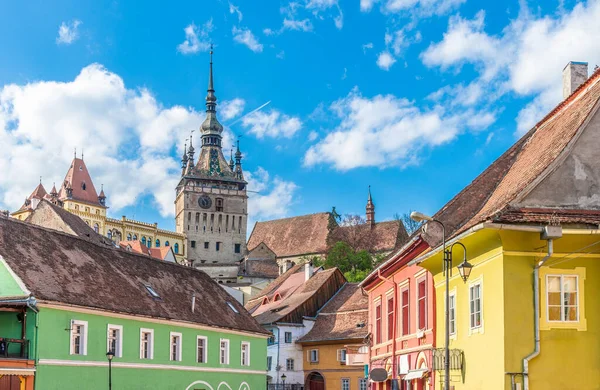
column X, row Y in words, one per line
column 415, row 374
column 17, row 371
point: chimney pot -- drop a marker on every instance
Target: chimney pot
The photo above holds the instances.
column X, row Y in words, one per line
column 308, row 271
column 574, row 74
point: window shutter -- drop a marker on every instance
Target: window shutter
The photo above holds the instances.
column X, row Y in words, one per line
column 339, row 355
column 308, row 355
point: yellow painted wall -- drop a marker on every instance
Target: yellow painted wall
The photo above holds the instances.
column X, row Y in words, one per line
column 330, row 368
column 569, row 358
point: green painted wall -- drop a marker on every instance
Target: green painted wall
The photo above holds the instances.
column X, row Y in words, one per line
column 8, row 286
column 54, row 339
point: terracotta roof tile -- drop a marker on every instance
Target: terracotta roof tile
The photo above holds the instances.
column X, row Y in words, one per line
column 381, row 237
column 79, row 179
column 344, row 317
column 295, row 236
column 501, row 183
column 58, row 267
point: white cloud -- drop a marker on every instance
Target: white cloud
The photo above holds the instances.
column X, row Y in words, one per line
column 280, row 55
column 270, row 197
column 415, row 7
column 388, row 131
column 268, row 31
column 298, row 25
column 236, row 10
column 68, row 32
column 245, row 37
column 313, row 135
column 526, row 57
column 230, row 109
column 345, row 74
column 271, row 124
column 385, row 60
column 196, row 38
column 41, row 122
column 367, row 46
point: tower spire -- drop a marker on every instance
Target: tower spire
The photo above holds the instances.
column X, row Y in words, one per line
column 231, row 164
column 184, row 158
column 370, row 210
column 211, row 99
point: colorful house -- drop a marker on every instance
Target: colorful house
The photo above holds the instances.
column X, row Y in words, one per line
column 526, row 317
column 65, row 301
column 282, row 307
column 402, row 320
column 335, row 349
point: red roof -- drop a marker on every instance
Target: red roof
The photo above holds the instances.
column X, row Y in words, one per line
column 78, row 178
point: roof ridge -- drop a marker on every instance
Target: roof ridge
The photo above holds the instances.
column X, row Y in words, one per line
column 283, row 219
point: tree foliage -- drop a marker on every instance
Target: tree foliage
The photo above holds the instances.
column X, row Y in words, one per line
column 410, row 225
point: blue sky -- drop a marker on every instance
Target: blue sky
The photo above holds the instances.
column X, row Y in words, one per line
column 412, row 97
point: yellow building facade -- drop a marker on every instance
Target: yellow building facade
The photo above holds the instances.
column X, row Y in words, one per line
column 492, row 313
column 335, row 372
column 78, row 195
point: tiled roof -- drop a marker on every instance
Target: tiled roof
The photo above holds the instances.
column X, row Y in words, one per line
column 295, row 236
column 296, row 298
column 381, row 237
column 259, row 268
column 38, row 193
column 548, row 216
column 78, row 178
column 137, row 247
column 502, row 182
column 51, row 216
column 58, row 267
column 344, row 317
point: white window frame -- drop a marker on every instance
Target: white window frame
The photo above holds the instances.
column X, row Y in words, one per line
column 119, row 349
column 150, row 343
column 340, row 358
column 285, row 337
column 226, row 341
column 562, row 299
column 247, row 363
column 345, row 383
column 418, row 316
column 452, row 309
column 204, row 349
column 310, row 356
column 83, row 335
column 178, row 346
column 480, row 328
column 287, row 364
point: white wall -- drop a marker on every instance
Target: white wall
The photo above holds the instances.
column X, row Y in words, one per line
column 281, row 351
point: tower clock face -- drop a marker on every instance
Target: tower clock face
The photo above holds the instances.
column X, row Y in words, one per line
column 204, row 201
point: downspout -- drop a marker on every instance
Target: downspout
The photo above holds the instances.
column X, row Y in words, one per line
column 536, row 312
column 393, row 321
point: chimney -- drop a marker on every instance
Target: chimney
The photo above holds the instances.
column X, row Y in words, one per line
column 574, row 74
column 308, row 271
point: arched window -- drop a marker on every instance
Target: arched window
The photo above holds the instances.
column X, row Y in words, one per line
column 96, row 228
column 166, row 243
column 149, row 242
column 144, row 240
column 176, row 248
column 109, row 234
column 129, row 237
column 135, row 237
column 157, row 242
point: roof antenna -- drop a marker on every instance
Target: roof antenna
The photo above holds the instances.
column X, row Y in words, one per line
column 81, row 154
column 75, row 153
column 40, row 180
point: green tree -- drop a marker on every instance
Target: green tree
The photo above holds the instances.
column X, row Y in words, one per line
column 355, row 265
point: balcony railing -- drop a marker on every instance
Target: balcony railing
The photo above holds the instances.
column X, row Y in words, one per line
column 456, row 359
column 14, row 348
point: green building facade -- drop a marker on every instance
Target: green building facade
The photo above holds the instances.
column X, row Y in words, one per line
column 160, row 338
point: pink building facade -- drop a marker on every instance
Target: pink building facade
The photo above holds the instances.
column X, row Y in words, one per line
column 402, row 321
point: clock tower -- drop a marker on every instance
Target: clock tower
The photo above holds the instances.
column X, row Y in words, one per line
column 211, row 200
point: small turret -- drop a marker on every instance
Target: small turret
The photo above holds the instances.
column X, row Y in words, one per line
column 231, row 164
column 184, row 158
column 102, row 197
column 190, row 153
column 238, row 163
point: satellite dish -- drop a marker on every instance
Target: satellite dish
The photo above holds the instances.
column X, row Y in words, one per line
column 378, row 375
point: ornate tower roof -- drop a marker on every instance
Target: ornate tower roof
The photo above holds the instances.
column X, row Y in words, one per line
column 211, row 163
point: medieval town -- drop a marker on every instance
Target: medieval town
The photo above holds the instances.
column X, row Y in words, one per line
column 489, row 285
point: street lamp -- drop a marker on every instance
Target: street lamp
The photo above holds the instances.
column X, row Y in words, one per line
column 464, row 269
column 283, row 378
column 110, row 355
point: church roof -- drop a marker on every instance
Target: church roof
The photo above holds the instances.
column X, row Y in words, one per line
column 62, row 268
column 295, row 236
column 78, row 178
column 491, row 194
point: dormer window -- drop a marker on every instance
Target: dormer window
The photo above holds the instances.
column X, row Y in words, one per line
column 277, row 297
column 83, row 186
column 151, row 291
